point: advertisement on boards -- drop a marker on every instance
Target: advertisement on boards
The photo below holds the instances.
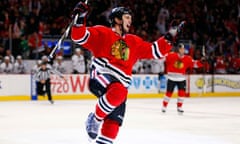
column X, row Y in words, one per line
column 221, row 83
column 15, row 85
column 76, row 84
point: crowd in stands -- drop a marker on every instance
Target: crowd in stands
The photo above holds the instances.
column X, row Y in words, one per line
column 212, row 28
column 77, row 64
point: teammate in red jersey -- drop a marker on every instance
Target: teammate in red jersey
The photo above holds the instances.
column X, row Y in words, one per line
column 115, row 52
column 177, row 63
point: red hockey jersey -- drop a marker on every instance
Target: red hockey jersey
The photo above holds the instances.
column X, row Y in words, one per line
column 220, row 65
column 177, row 65
column 114, row 54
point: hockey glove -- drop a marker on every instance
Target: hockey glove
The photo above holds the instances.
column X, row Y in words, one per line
column 174, row 30
column 80, row 13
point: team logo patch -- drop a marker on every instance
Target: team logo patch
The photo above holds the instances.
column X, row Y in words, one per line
column 178, row 64
column 120, row 50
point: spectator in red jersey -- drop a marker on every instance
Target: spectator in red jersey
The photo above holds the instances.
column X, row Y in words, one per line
column 220, row 65
column 206, row 66
column 236, row 65
column 177, row 63
column 34, row 43
column 230, row 63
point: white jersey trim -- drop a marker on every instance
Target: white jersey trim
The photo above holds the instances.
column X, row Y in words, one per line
column 84, row 39
column 103, row 66
column 155, row 51
column 176, row 76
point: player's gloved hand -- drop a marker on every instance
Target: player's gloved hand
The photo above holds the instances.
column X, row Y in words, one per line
column 174, row 29
column 80, row 13
column 51, row 60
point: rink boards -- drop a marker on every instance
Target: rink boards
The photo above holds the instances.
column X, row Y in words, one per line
column 23, row 87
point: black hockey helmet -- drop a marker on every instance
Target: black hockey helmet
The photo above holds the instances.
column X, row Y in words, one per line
column 118, row 12
column 180, row 45
column 177, row 47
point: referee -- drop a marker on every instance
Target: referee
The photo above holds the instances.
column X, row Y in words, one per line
column 42, row 76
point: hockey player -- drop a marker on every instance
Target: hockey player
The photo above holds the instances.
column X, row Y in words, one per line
column 115, row 52
column 176, row 65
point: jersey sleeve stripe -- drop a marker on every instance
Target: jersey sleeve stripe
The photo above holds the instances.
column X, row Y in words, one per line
column 84, row 39
column 155, row 51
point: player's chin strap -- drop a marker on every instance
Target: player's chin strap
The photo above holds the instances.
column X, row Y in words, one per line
column 121, row 28
column 123, row 31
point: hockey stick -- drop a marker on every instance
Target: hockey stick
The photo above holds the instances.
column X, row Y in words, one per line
column 65, row 35
column 180, row 26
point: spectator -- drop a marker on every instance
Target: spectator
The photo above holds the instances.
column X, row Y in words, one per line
column 236, row 65
column 45, row 59
column 36, row 66
column 59, row 65
column 220, row 65
column 158, row 67
column 78, row 62
column 11, row 57
column 17, row 32
column 147, row 69
column 6, row 67
column 34, row 44
column 138, row 67
column 163, row 16
column 24, row 47
column 19, row 66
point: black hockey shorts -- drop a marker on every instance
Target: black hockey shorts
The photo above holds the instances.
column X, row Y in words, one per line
column 118, row 113
column 96, row 88
column 181, row 85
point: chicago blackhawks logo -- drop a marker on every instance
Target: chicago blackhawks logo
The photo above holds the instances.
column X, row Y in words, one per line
column 120, row 50
column 178, row 64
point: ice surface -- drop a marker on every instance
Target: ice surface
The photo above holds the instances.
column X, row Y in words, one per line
column 205, row 121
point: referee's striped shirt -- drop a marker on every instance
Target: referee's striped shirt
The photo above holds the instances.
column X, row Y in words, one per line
column 45, row 74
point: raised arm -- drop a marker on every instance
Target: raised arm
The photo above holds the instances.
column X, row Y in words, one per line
column 161, row 46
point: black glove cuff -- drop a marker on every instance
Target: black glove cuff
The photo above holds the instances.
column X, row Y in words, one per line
column 80, row 20
column 168, row 37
